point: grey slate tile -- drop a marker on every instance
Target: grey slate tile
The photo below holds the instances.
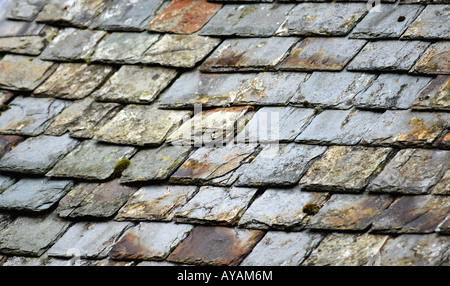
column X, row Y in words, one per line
column 9, row 142
column 431, row 24
column 6, row 182
column 435, row 96
column 25, row 10
column 435, row 60
column 5, row 219
column 443, row 186
column 10, row 28
column 28, row 45
column 444, row 228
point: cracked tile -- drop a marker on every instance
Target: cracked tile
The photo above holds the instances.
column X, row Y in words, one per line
column 430, row 24
column 435, row 60
column 435, row 95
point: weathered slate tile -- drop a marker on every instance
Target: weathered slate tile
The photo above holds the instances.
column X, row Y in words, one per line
column 183, row 16
column 34, row 194
column 344, row 127
column 147, row 83
column 281, row 209
column 413, row 214
column 216, row 246
column 388, row 55
column 392, row 91
column 251, row 54
column 324, row 19
column 412, row 171
column 444, row 141
column 406, row 128
column 30, row 116
column 155, row 164
column 390, row 22
column 435, row 96
column 74, row 198
column 23, row 72
column 158, row 203
column 128, row 15
column 28, row 45
column 11, row 28
column 435, row 60
column 31, row 235
column 330, row 54
column 444, row 226
column 179, row 50
column 91, row 239
column 279, row 164
column 413, row 250
column 5, row 96
column 423, row 1
column 346, row 249
column 25, row 10
column 349, row 212
column 150, row 241
column 213, row 163
column 279, row 248
column 83, row 118
column 74, row 80
column 5, row 220
column 141, row 125
column 344, row 168
column 254, row 20
column 216, row 205
column 8, row 143
column 431, row 24
column 91, row 160
column 123, row 47
column 443, row 187
column 37, row 155
column 5, row 182
column 331, row 89
column 72, row 44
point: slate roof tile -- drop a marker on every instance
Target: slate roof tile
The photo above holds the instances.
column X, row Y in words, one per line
column 435, row 95
column 24, row 10
column 28, row 44
column 435, row 60
column 430, row 24
column 5, row 96
column 9, row 142
column 9, row 27
column 443, row 187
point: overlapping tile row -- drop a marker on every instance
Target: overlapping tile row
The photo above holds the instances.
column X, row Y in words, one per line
column 322, row 139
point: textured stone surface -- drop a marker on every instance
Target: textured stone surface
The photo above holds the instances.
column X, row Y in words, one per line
column 37, row 155
column 443, row 187
column 388, row 55
column 155, row 164
column 150, row 241
column 147, row 83
column 282, row 249
column 412, row 171
column 281, row 209
column 435, row 60
column 5, row 182
column 254, row 54
column 9, row 142
column 279, row 165
column 156, row 202
column 322, row 54
column 25, row 10
column 5, row 96
column 28, row 45
column 141, row 125
column 444, row 226
column 11, row 28
column 333, row 19
column 430, row 24
column 91, row 160
column 215, row 246
column 435, row 95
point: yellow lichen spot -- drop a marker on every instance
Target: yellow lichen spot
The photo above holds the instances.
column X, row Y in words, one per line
column 311, row 209
column 121, row 166
column 166, row 158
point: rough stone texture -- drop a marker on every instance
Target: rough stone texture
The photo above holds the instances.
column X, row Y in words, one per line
column 216, row 246
column 216, row 205
column 73, row 80
column 253, row 54
column 37, row 155
column 412, row 171
column 330, row 54
column 5, row 182
column 388, row 56
column 435, row 60
column 147, row 83
column 183, row 16
column 331, row 89
column 413, row 214
column 72, row 44
column 89, row 239
column 30, row 116
column 23, row 72
column 240, row 20
column 25, row 10
column 31, row 235
column 443, row 187
column 123, row 47
column 279, row 165
column 91, row 160
column 430, row 24
column 435, row 96
column 344, row 168
column 150, row 241
column 390, row 22
column 392, row 92
column 349, row 212
column 141, row 125
column 333, row 19
column 282, row 249
column 342, row 249
column 281, row 209
column 11, row 28
column 179, row 50
column 9, row 142
column 156, row 202
column 34, row 194
column 5, row 96
column 444, row 227
column 28, row 45
column 155, row 164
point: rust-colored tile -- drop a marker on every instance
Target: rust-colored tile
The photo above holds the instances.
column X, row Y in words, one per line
column 435, row 60
column 184, row 16
column 8, row 142
column 216, row 246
